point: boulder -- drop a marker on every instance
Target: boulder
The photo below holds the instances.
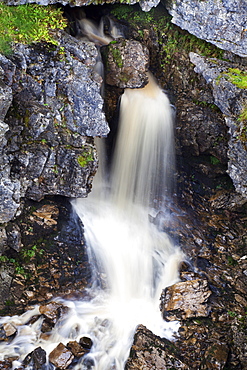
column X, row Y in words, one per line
column 127, row 64
column 186, row 299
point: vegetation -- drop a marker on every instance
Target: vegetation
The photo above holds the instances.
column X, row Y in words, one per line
column 28, row 23
column 171, row 37
column 85, row 158
column 237, row 77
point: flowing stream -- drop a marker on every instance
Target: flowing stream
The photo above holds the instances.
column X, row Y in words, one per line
column 133, row 260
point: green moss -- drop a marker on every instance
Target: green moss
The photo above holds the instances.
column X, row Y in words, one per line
column 214, row 160
column 243, row 114
column 237, row 77
column 171, row 38
column 85, row 158
column 28, row 23
column 117, row 57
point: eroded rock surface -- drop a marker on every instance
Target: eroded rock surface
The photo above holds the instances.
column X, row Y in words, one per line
column 56, row 106
column 223, row 23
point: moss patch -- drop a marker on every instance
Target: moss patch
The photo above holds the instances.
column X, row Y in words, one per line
column 28, row 23
column 237, row 77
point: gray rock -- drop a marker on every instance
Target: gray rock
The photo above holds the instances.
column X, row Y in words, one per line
column 231, row 100
column 151, row 352
column 223, row 23
column 127, row 64
column 146, row 5
column 186, row 299
column 46, row 136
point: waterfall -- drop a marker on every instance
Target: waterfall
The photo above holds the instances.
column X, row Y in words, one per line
column 132, row 259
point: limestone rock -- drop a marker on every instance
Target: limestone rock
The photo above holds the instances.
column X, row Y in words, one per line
column 186, row 299
column 127, row 64
column 61, row 357
column 231, row 100
column 223, row 23
column 46, row 137
column 146, row 5
column 151, row 352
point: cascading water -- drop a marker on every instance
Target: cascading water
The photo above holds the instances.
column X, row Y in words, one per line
column 133, row 260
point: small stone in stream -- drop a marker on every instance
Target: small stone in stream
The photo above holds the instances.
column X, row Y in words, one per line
column 76, row 349
column 47, row 326
column 61, row 357
column 5, row 365
column 9, row 329
column 36, row 359
column 52, row 310
column 39, row 357
column 186, row 299
column 86, row 342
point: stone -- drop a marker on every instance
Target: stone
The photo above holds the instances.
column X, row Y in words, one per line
column 231, row 100
column 76, row 349
column 151, row 352
column 36, row 359
column 127, row 64
column 222, row 23
column 61, row 357
column 51, row 310
column 86, row 342
column 186, row 299
column 9, row 329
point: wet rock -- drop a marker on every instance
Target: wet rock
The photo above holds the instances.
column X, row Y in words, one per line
column 221, row 23
column 151, row 352
column 186, row 299
column 61, row 357
column 6, row 365
column 215, row 357
column 127, row 64
column 36, row 359
column 86, row 343
column 52, row 310
column 76, row 349
column 9, row 329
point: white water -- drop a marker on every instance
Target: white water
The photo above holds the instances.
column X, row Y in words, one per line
column 133, row 260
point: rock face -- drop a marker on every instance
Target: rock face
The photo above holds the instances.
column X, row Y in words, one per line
column 231, row 99
column 54, row 109
column 127, row 64
column 146, row 5
column 223, row 23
